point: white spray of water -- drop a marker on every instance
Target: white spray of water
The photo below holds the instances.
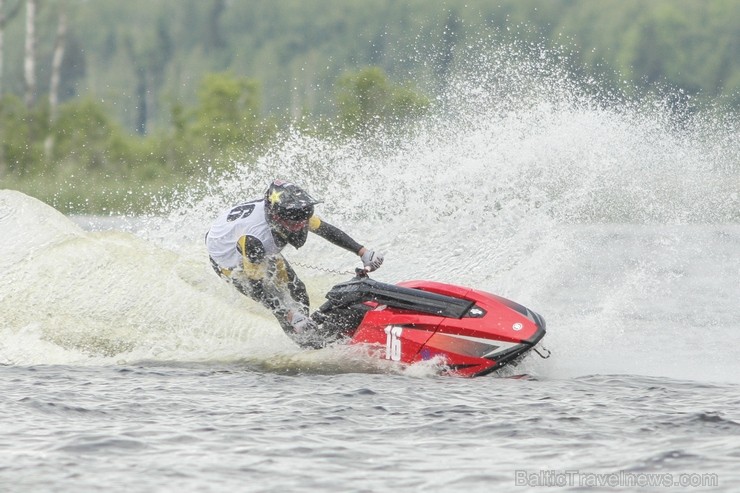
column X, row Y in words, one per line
column 520, row 183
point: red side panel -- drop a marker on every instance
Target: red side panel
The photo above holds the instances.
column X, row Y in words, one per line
column 468, row 346
column 400, row 334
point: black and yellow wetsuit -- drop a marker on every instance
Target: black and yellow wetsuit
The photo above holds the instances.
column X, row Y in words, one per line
column 263, row 272
column 245, row 250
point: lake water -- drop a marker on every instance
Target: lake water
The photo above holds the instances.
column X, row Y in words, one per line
column 127, row 365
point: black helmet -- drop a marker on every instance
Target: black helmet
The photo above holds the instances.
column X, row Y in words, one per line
column 288, row 209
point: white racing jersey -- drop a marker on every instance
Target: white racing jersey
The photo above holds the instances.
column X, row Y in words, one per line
column 246, row 219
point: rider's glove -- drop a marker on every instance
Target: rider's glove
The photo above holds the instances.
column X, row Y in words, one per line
column 302, row 323
column 371, row 260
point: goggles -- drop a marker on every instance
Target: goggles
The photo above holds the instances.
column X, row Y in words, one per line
column 291, row 225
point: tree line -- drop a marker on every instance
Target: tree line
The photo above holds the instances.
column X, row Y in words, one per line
column 94, row 163
column 147, row 91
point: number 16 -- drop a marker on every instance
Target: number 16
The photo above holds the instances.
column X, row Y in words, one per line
column 393, row 342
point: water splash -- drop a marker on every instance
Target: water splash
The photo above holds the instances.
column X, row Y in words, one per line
column 524, row 181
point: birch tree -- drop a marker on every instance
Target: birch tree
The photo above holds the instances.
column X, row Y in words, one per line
column 29, row 63
column 56, row 68
column 4, row 19
column 56, row 61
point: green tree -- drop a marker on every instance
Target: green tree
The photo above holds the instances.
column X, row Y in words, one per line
column 226, row 120
column 20, row 130
column 87, row 138
column 367, row 100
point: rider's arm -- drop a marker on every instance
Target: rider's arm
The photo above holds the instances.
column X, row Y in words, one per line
column 255, row 265
column 334, row 235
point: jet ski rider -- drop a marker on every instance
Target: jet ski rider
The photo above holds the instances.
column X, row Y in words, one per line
column 244, row 245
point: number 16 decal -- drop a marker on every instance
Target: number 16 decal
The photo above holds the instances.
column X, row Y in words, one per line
column 393, row 342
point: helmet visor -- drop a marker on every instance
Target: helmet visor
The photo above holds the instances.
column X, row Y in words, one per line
column 294, row 213
column 291, row 225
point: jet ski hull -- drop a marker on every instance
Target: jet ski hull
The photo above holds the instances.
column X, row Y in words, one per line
column 469, row 332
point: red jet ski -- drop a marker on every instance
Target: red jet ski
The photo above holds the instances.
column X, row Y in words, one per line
column 471, row 332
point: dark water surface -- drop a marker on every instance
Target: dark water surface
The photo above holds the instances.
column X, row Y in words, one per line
column 195, row 428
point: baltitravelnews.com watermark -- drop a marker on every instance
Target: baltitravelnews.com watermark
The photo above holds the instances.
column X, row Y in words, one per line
column 619, row 479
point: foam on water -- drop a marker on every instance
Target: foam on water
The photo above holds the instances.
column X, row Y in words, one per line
column 602, row 213
column 70, row 296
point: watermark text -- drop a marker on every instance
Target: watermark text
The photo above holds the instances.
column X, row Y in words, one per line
column 558, row 478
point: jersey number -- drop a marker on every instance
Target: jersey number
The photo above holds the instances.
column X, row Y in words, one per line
column 393, row 342
column 240, row 211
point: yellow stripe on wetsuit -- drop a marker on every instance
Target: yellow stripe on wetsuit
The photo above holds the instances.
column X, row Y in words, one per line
column 252, row 270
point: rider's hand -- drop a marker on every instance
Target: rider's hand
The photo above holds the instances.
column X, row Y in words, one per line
column 371, row 260
column 301, row 323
